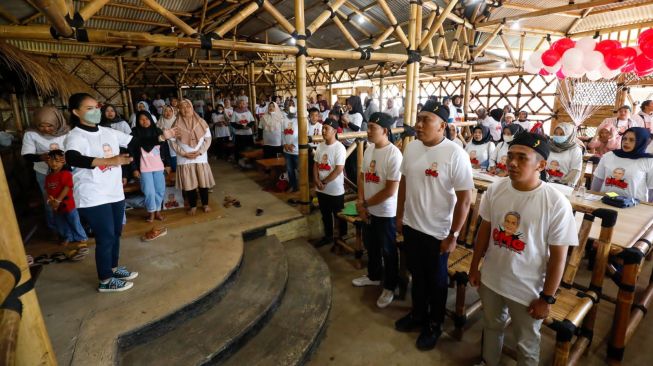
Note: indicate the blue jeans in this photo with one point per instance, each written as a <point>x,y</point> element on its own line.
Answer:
<point>292,164</point>
<point>379,236</point>
<point>106,222</point>
<point>69,226</point>
<point>153,186</point>
<point>49,215</point>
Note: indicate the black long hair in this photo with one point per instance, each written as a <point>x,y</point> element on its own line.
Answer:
<point>74,102</point>
<point>356,106</point>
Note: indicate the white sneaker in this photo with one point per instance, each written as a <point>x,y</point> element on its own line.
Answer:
<point>385,299</point>
<point>364,281</point>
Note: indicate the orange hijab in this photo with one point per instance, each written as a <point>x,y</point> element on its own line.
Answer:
<point>191,129</point>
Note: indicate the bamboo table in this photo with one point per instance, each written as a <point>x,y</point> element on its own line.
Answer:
<point>272,165</point>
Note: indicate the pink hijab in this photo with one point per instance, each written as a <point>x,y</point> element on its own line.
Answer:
<point>191,129</point>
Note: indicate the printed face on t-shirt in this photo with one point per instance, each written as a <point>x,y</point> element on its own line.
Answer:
<point>432,171</point>
<point>554,165</point>
<point>54,146</point>
<point>324,165</point>
<point>371,176</point>
<point>503,160</point>
<point>618,174</point>
<point>108,152</point>
<point>507,235</point>
<point>472,154</point>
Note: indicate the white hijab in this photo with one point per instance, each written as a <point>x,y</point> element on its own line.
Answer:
<point>273,121</point>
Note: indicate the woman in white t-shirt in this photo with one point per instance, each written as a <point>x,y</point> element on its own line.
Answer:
<point>221,132</point>
<point>49,134</point>
<point>98,191</point>
<point>166,122</point>
<point>243,122</point>
<point>565,161</point>
<point>272,124</point>
<point>455,136</point>
<point>352,121</point>
<point>481,148</point>
<point>112,119</point>
<point>291,151</point>
<point>499,160</point>
<point>627,171</point>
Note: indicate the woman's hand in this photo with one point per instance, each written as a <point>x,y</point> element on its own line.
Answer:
<point>192,155</point>
<point>169,133</point>
<point>137,174</point>
<point>44,157</point>
<point>119,160</point>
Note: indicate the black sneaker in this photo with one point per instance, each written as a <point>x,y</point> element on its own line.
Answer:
<point>428,338</point>
<point>322,242</point>
<point>408,323</point>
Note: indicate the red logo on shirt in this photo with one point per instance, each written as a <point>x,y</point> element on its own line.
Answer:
<point>432,171</point>
<point>474,161</point>
<point>288,131</point>
<point>507,236</point>
<point>372,178</point>
<point>243,121</point>
<point>502,167</point>
<point>324,163</point>
<point>617,179</point>
<point>555,173</point>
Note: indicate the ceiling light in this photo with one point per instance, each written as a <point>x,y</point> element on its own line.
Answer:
<point>360,19</point>
<point>515,25</point>
<point>503,65</point>
<point>292,40</point>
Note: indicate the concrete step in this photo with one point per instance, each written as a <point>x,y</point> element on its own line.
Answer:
<point>295,329</point>
<point>223,325</point>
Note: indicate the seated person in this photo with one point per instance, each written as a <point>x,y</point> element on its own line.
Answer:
<point>604,141</point>
<point>500,157</point>
<point>481,147</point>
<point>566,159</point>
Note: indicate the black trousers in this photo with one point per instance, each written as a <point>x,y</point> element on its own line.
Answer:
<point>271,151</point>
<point>379,236</point>
<point>429,275</point>
<point>242,142</point>
<point>191,196</point>
<point>330,206</point>
<point>351,167</point>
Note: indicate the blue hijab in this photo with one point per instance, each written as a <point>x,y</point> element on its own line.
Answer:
<point>642,138</point>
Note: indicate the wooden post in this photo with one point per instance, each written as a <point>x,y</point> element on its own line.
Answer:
<point>15,107</point>
<point>467,91</point>
<point>33,346</point>
<point>302,120</point>
<point>55,15</point>
<point>381,86</point>
<point>212,91</point>
<point>415,46</point>
<point>123,89</point>
<point>251,87</point>
<point>173,19</point>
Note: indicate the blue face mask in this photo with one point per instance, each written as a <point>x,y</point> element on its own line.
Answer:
<point>93,116</point>
<point>559,139</point>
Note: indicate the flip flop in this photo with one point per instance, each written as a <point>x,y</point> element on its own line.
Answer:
<point>58,257</point>
<point>259,211</point>
<point>75,255</point>
<point>83,249</point>
<point>42,259</point>
<point>154,234</point>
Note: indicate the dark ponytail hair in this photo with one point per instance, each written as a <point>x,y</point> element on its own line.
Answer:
<point>74,102</point>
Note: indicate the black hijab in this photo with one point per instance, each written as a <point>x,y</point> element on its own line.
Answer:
<point>484,131</point>
<point>356,106</point>
<point>105,122</point>
<point>146,138</point>
<point>514,129</point>
<point>642,138</point>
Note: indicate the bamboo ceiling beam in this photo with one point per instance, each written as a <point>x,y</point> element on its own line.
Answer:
<point>434,28</point>
<point>528,30</point>
<point>53,13</point>
<point>381,38</point>
<point>612,29</point>
<point>8,16</point>
<point>131,21</point>
<point>487,41</point>
<point>369,18</point>
<point>354,24</point>
<point>122,5</point>
<point>283,22</point>
<point>92,8</point>
<point>547,11</point>
<point>345,32</point>
<point>324,16</point>
<point>237,18</point>
<point>203,18</point>
<point>451,16</point>
<point>576,22</point>
<point>454,42</point>
<point>401,36</point>
<point>173,19</point>
<point>509,49</point>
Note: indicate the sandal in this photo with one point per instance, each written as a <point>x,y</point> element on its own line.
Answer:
<point>154,234</point>
<point>76,255</point>
<point>82,248</point>
<point>58,257</point>
<point>42,259</point>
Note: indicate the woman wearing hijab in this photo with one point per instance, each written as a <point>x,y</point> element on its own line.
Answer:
<point>151,159</point>
<point>221,132</point>
<point>272,124</point>
<point>243,123</point>
<point>49,134</point>
<point>167,120</point>
<point>627,171</point>
<point>191,145</point>
<point>352,121</point>
<point>111,119</point>
<point>140,106</point>
<point>481,148</point>
<point>565,161</point>
<point>604,141</point>
<point>499,160</point>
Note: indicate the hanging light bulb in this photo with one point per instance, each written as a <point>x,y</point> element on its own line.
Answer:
<point>515,25</point>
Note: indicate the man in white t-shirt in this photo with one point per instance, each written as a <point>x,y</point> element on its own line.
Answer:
<point>522,120</point>
<point>526,228</point>
<point>329,178</point>
<point>392,110</point>
<point>493,125</point>
<point>435,193</point>
<point>244,97</point>
<point>261,109</point>
<point>158,103</point>
<point>645,115</point>
<point>378,182</point>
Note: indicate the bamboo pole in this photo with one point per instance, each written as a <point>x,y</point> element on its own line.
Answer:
<point>123,88</point>
<point>33,346</point>
<point>487,41</point>
<point>319,21</point>
<point>380,39</point>
<point>401,36</point>
<point>505,43</point>
<point>415,46</point>
<point>454,43</point>
<point>18,120</point>
<point>468,91</point>
<point>410,74</point>
<point>237,18</point>
<point>447,10</point>
<point>547,11</point>
<point>54,14</point>
<point>280,18</point>
<point>381,87</point>
<point>92,8</point>
<point>173,19</point>
<point>302,120</point>
<point>345,32</point>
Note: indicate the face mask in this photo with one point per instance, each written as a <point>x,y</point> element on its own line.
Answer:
<point>559,139</point>
<point>507,138</point>
<point>292,110</point>
<point>93,116</point>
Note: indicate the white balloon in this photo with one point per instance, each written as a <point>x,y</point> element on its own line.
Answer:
<point>586,44</point>
<point>553,69</point>
<point>572,60</point>
<point>593,75</point>
<point>572,73</point>
<point>530,68</point>
<point>592,60</point>
<point>536,59</point>
<point>606,73</point>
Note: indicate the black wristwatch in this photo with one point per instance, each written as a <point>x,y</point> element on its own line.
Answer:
<point>548,299</point>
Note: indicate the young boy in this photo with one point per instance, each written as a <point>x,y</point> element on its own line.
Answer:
<point>59,187</point>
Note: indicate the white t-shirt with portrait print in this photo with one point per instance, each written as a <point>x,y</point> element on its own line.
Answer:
<point>122,126</point>
<point>626,177</point>
<point>559,164</point>
<point>243,119</point>
<point>290,136</point>
<point>314,130</point>
<point>386,167</point>
<point>433,175</point>
<point>480,154</point>
<point>327,158</point>
<point>102,184</point>
<point>35,143</point>
<point>499,158</point>
<point>523,225</point>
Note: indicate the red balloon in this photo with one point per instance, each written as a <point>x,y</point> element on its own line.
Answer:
<point>644,36</point>
<point>560,74</point>
<point>629,52</point>
<point>643,64</point>
<point>544,72</point>
<point>550,57</point>
<point>647,47</point>
<point>562,45</point>
<point>630,67</point>
<point>606,46</point>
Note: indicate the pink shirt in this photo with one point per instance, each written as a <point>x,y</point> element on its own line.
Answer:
<point>151,161</point>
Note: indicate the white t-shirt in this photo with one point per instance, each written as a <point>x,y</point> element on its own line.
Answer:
<point>356,119</point>
<point>523,225</point>
<point>458,142</point>
<point>229,112</point>
<point>626,177</point>
<point>387,166</point>
<point>243,119</point>
<point>290,136</point>
<point>433,175</point>
<point>314,130</point>
<point>261,110</point>
<point>198,160</point>
<point>272,130</point>
<point>221,128</point>
<point>122,126</point>
<point>560,164</point>
<point>526,125</point>
<point>327,158</point>
<point>500,157</point>
<point>494,126</point>
<point>102,184</point>
<point>645,120</point>
<point>480,154</point>
<point>35,143</point>
<point>159,103</point>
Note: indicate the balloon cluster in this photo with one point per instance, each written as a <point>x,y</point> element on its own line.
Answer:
<point>595,60</point>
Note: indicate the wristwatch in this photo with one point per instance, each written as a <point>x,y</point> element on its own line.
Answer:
<point>455,234</point>
<point>548,299</point>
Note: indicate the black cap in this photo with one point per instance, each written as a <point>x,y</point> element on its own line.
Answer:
<point>331,122</point>
<point>535,141</point>
<point>441,111</point>
<point>382,119</point>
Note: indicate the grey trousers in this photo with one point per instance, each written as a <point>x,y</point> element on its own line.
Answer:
<point>496,312</point>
